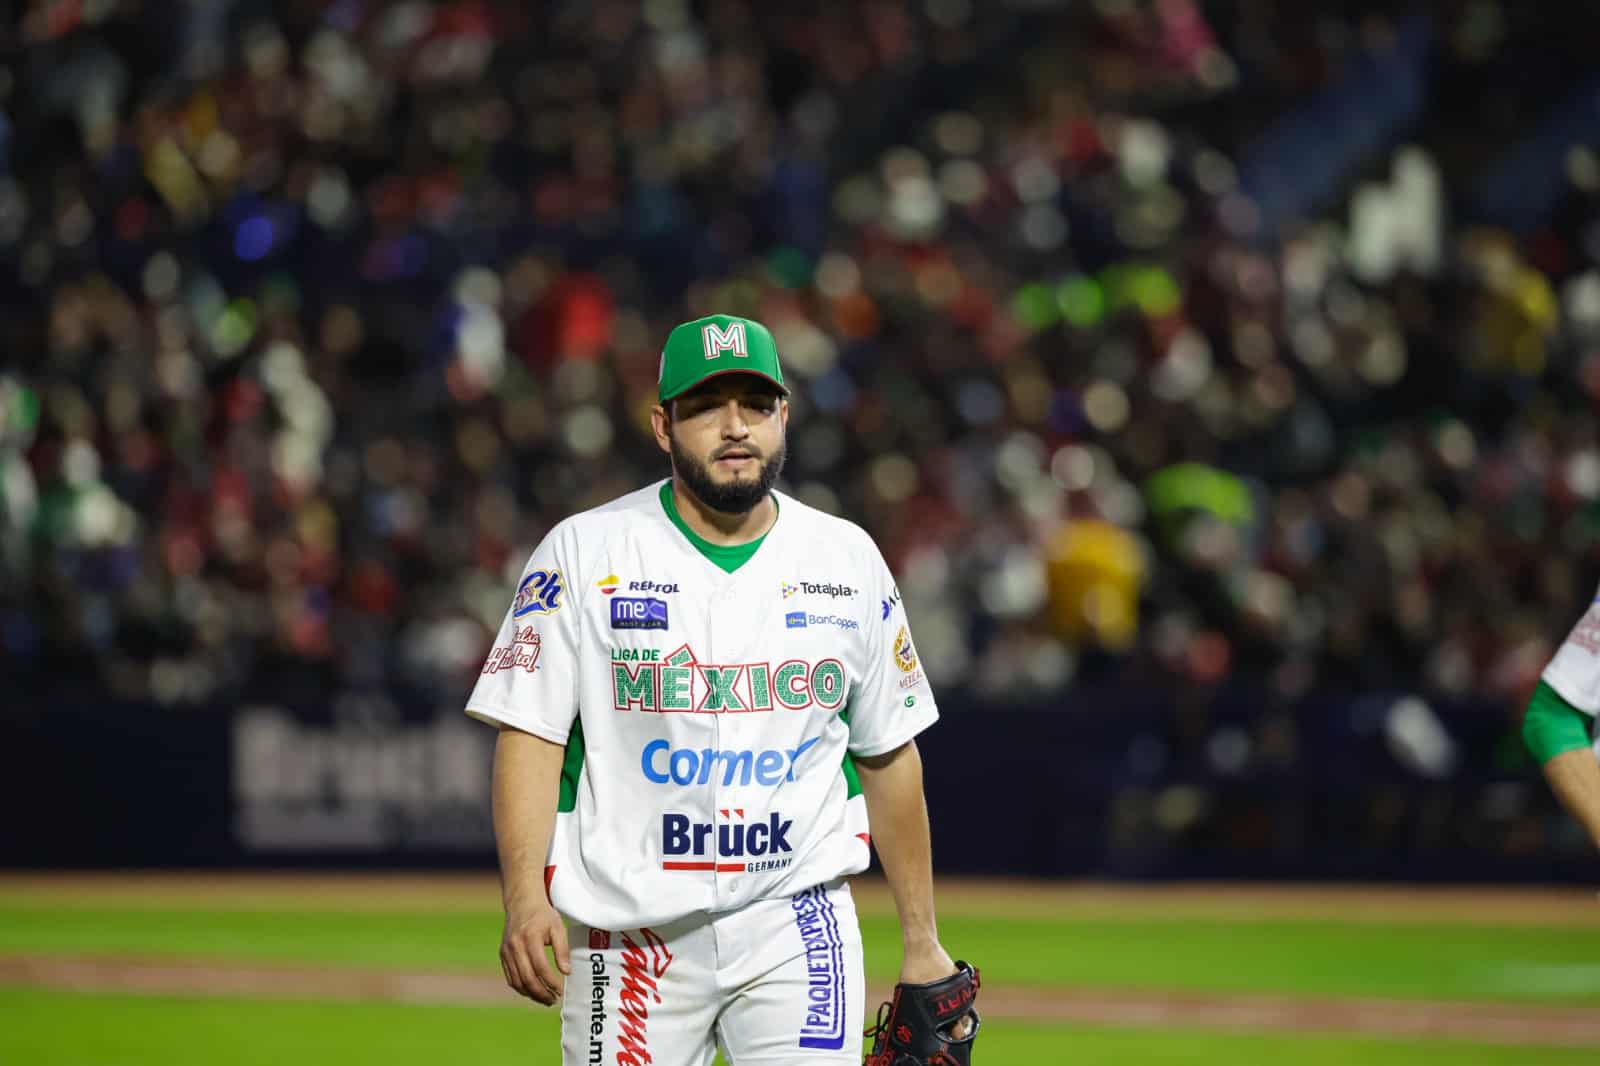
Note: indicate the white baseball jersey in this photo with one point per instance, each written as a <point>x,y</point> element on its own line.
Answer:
<point>1574,670</point>
<point>708,716</point>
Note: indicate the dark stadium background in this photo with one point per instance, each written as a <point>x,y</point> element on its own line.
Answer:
<point>1220,379</point>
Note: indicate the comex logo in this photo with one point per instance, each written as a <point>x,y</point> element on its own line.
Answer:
<point>662,763</point>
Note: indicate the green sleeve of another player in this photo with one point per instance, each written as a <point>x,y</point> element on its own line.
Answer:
<point>1553,726</point>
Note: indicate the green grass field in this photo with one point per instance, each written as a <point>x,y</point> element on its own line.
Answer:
<point>1322,958</point>
<point>1482,961</point>
<point>94,1030</point>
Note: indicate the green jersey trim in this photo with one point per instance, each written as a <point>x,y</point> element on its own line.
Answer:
<point>727,556</point>
<point>571,768</point>
<point>852,779</point>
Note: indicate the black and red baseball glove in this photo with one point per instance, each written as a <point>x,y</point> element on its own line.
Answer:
<point>915,1028</point>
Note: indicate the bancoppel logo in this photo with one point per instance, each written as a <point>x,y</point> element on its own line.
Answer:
<point>795,620</point>
<point>731,847</point>
<point>638,612</point>
<point>834,620</point>
<point>830,589</point>
<point>818,926</point>
<point>665,588</point>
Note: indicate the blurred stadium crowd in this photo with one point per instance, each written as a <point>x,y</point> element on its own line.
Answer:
<point>1151,338</point>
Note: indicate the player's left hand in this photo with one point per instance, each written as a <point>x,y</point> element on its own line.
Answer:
<point>928,1022</point>
<point>924,966</point>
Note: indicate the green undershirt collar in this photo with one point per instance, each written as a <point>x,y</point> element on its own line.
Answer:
<point>727,556</point>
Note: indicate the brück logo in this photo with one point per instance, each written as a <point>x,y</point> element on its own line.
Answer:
<point>731,847</point>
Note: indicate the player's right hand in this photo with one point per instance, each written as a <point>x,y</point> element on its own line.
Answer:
<point>523,955</point>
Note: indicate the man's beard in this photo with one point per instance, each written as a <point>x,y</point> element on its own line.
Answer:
<point>734,497</point>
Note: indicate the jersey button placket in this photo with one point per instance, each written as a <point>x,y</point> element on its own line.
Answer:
<point>720,623</point>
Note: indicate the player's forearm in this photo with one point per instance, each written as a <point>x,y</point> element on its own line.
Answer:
<point>892,785</point>
<point>1574,777</point>
<point>527,775</point>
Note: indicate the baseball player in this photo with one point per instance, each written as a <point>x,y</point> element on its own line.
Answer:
<point>1559,722</point>
<point>706,693</point>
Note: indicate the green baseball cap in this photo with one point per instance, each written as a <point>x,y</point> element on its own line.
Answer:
<point>717,344</point>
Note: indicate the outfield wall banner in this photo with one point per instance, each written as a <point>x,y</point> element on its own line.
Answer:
<point>361,783</point>
<point>1111,784</point>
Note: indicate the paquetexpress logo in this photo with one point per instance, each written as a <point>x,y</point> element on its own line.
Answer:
<point>795,620</point>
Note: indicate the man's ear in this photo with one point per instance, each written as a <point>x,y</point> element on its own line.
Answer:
<point>661,424</point>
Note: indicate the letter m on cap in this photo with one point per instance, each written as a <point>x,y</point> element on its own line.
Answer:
<point>717,340</point>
